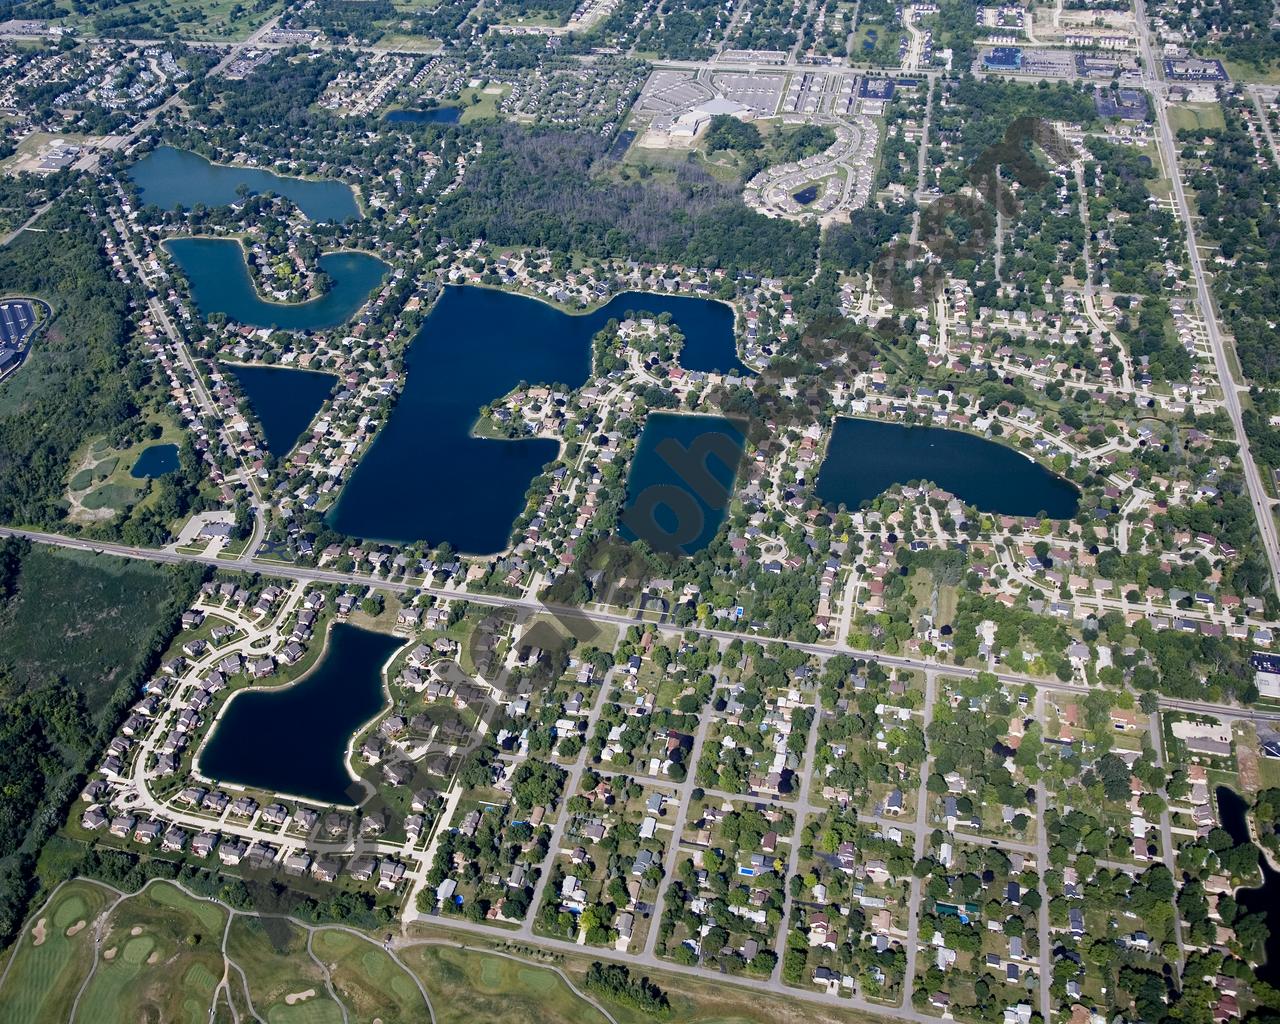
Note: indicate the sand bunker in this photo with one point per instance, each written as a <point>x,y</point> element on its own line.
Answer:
<point>298,997</point>
<point>110,954</point>
<point>154,958</point>
<point>76,928</point>
<point>38,933</point>
<point>136,930</point>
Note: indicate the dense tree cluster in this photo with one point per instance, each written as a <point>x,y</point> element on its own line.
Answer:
<point>540,188</point>
<point>615,982</point>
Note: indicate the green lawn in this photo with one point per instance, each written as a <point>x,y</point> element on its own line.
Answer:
<point>160,960</point>
<point>477,104</point>
<point>468,986</point>
<point>111,469</point>
<point>1195,117</point>
<point>49,964</point>
<point>280,973</point>
<point>1248,73</point>
<point>367,980</point>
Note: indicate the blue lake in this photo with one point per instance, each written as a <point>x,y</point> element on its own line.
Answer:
<point>867,457</point>
<point>220,283</point>
<point>431,115</point>
<point>425,477</point>
<point>175,178</point>
<point>681,481</point>
<point>294,739</point>
<point>156,460</point>
<point>285,400</point>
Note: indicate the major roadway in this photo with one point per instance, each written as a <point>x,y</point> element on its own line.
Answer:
<point>1262,504</point>
<point>281,570</point>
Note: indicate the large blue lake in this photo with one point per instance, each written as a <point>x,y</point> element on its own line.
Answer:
<point>285,400</point>
<point>867,457</point>
<point>425,477</point>
<point>681,481</point>
<point>294,739</point>
<point>220,283</point>
<point>175,179</point>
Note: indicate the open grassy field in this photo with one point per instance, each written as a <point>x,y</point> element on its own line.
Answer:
<point>467,986</point>
<point>53,957</point>
<point>287,986</point>
<point>368,981</point>
<point>161,956</point>
<point>85,617</point>
<point>477,104</point>
<point>471,972</point>
<point>160,960</point>
<point>101,477</point>
<point>1195,116</point>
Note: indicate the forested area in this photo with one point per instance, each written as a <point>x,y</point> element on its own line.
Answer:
<point>346,19</point>
<point>77,635</point>
<point>81,379</point>
<point>557,11</point>
<point>978,112</point>
<point>1236,29</point>
<point>539,188</point>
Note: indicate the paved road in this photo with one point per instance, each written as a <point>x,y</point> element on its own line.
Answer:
<point>921,826</point>
<point>284,571</point>
<point>1262,505</point>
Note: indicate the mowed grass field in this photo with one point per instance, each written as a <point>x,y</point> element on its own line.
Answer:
<point>1195,117</point>
<point>287,986</point>
<point>161,957</point>
<point>160,960</point>
<point>85,617</point>
<point>367,980</point>
<point>53,956</point>
<point>467,987</point>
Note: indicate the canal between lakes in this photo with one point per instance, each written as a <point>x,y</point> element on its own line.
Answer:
<point>294,739</point>
<point>867,457</point>
<point>175,178</point>
<point>216,270</point>
<point>426,477</point>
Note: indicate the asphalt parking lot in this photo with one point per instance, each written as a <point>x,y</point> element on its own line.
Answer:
<point>16,320</point>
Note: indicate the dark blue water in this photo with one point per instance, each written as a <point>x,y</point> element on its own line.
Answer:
<point>1265,899</point>
<point>867,457</point>
<point>432,115</point>
<point>681,480</point>
<point>284,400</point>
<point>220,283</point>
<point>425,477</point>
<point>294,739</point>
<point>175,178</point>
<point>806,195</point>
<point>156,460</point>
